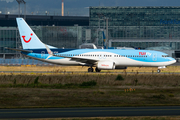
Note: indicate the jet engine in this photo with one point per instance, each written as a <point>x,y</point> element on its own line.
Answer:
<point>106,65</point>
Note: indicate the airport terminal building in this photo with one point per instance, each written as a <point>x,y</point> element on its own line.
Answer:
<point>155,28</point>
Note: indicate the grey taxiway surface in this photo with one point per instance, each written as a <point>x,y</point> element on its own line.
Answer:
<point>89,112</point>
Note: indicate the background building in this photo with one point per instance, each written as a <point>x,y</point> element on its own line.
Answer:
<point>155,28</point>
<point>59,31</point>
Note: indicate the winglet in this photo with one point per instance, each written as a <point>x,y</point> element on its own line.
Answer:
<point>48,50</point>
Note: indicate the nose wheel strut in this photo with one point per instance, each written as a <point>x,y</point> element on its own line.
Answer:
<point>158,71</point>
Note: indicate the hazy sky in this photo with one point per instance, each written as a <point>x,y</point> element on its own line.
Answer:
<point>76,7</point>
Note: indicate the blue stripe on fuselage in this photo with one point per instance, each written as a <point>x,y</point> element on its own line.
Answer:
<point>37,53</point>
<point>53,50</point>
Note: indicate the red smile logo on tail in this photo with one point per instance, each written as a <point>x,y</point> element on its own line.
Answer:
<point>26,41</point>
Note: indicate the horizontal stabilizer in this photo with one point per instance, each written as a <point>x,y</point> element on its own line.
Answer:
<point>20,50</point>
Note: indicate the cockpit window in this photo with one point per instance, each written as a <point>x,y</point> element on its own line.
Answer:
<point>165,55</point>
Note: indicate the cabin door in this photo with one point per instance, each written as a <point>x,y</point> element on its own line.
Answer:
<point>154,57</point>
<point>42,54</point>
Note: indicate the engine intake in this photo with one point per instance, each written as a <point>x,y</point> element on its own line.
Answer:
<point>106,65</point>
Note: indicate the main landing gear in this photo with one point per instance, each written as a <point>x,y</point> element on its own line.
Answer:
<point>92,70</point>
<point>97,70</point>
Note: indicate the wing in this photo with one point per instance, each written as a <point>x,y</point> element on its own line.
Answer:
<point>84,61</point>
<point>79,59</point>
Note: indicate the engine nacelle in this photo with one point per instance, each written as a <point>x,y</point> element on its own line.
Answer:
<point>120,67</point>
<point>106,65</point>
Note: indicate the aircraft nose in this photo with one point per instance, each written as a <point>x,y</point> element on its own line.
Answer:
<point>172,61</point>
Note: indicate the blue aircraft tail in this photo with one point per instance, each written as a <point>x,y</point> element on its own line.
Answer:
<point>28,37</point>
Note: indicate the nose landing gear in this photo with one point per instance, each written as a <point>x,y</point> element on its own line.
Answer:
<point>161,67</point>
<point>158,71</point>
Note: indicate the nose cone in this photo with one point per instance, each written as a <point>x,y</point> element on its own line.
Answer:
<point>172,61</point>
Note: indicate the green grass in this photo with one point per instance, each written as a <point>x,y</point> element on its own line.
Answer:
<point>119,77</point>
<point>89,97</point>
<point>37,84</point>
<point>88,90</point>
<point>108,79</point>
<point>119,118</point>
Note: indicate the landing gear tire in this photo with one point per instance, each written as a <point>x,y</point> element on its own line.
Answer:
<point>158,71</point>
<point>90,69</point>
<point>98,70</point>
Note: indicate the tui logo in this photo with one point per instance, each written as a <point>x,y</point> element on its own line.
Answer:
<point>26,41</point>
<point>145,53</point>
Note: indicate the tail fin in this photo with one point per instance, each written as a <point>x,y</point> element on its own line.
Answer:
<point>104,40</point>
<point>28,37</point>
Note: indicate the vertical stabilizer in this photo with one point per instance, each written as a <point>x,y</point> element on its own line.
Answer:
<point>28,37</point>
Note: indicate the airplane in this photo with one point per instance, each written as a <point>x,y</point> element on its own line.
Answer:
<point>102,59</point>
